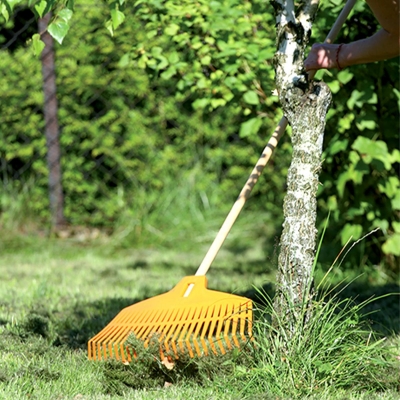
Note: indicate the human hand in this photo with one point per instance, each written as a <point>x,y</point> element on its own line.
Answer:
<point>322,55</point>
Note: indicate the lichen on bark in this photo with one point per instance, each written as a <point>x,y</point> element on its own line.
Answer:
<point>305,105</point>
<point>306,113</point>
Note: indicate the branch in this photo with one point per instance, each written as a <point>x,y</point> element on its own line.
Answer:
<point>293,33</point>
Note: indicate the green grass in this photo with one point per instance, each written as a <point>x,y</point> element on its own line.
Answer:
<point>56,294</point>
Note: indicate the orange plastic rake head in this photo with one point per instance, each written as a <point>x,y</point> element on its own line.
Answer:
<point>201,323</point>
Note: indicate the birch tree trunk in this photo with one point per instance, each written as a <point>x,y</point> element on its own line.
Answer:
<point>305,104</point>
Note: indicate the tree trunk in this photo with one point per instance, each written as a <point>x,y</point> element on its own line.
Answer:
<point>305,105</point>
<point>51,126</point>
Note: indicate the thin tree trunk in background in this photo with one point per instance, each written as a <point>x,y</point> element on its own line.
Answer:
<point>51,126</point>
<point>305,105</point>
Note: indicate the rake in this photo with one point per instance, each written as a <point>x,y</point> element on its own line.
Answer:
<point>191,319</point>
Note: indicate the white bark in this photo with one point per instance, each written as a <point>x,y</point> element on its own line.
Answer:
<point>305,105</point>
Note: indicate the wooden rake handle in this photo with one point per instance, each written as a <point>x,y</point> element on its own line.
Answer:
<point>262,162</point>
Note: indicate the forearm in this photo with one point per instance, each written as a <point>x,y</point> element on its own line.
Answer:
<point>381,46</point>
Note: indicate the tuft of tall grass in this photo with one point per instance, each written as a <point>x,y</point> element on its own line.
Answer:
<point>335,350</point>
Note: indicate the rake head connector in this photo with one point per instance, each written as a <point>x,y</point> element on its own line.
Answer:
<point>197,323</point>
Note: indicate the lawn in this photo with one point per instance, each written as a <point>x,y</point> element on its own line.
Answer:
<point>56,294</point>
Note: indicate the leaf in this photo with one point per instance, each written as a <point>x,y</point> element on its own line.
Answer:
<point>366,124</point>
<point>396,226</point>
<point>41,8</point>
<point>350,231</point>
<point>173,58</point>
<point>392,245</point>
<point>58,30</point>
<point>109,27</point>
<point>240,369</point>
<point>250,127</point>
<point>65,14</point>
<point>324,367</point>
<point>381,223</point>
<point>345,122</point>
<point>6,8</point>
<point>227,95</point>
<point>151,34</point>
<point>354,100</point>
<point>395,156</point>
<point>390,187</point>
<point>38,44</point>
<point>397,93</point>
<point>206,60</point>
<point>156,51</point>
<point>171,30</point>
<point>334,86</point>
<point>117,18</point>
<point>396,201</point>
<point>372,149</point>
<point>251,97</point>
<point>200,103</point>
<point>168,363</point>
<point>169,73</point>
<point>202,83</point>
<point>142,62</point>
<point>345,76</point>
<point>124,60</point>
<point>196,45</point>
<point>215,103</point>
<point>163,63</point>
<point>338,146</point>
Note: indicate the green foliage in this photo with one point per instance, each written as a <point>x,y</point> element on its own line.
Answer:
<point>182,87</point>
<point>125,133</point>
<point>360,182</point>
<point>62,11</point>
<point>218,52</point>
<point>37,44</point>
<point>59,27</point>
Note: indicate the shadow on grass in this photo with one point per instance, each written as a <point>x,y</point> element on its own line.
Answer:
<point>75,328</point>
<point>382,314</point>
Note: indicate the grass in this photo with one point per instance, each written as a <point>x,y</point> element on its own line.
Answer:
<point>57,293</point>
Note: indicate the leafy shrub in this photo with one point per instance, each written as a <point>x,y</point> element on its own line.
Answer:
<point>182,88</point>
<point>124,130</point>
<point>360,183</point>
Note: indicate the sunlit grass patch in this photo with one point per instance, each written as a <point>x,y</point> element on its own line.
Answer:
<point>56,294</point>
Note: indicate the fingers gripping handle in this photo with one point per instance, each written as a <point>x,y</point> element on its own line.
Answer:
<point>261,163</point>
<point>332,35</point>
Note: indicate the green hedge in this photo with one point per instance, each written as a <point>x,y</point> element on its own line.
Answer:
<point>183,88</point>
